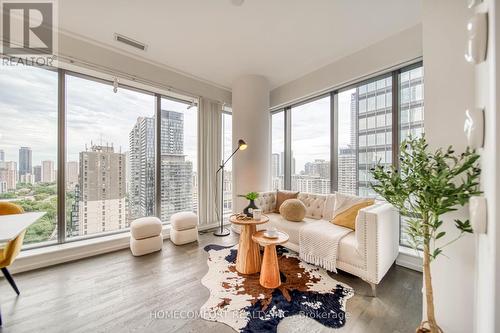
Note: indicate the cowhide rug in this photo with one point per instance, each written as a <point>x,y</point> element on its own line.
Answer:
<point>308,300</point>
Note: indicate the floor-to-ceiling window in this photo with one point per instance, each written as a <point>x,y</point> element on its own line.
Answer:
<point>411,114</point>
<point>103,135</point>
<point>310,146</point>
<point>374,100</point>
<point>278,150</point>
<point>347,138</point>
<point>110,167</point>
<point>367,121</point>
<point>28,145</point>
<point>178,160</point>
<point>227,149</point>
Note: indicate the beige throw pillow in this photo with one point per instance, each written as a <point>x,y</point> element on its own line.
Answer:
<point>347,218</point>
<point>281,196</point>
<point>293,210</point>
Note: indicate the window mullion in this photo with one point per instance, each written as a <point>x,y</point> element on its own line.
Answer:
<point>288,149</point>
<point>61,157</point>
<point>334,141</point>
<point>157,189</point>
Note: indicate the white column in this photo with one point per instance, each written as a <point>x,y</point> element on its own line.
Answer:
<point>251,122</point>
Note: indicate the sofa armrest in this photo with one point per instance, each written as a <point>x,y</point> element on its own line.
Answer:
<point>266,201</point>
<point>377,234</point>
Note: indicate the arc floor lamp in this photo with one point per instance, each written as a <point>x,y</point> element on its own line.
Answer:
<point>221,231</point>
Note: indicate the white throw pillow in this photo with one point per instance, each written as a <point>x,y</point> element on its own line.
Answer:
<point>329,207</point>
<point>346,201</point>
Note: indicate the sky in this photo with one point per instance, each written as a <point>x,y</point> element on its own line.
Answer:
<point>28,106</point>
<point>311,129</point>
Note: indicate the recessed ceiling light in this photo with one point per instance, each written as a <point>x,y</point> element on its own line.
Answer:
<point>237,2</point>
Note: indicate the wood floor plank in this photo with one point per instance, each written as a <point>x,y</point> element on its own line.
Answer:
<point>117,292</point>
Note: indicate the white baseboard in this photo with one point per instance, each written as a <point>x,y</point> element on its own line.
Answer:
<point>409,258</point>
<point>71,251</point>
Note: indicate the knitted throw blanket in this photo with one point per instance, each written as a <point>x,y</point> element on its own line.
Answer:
<point>318,243</point>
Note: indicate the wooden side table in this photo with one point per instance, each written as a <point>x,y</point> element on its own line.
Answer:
<point>270,271</point>
<point>248,257</point>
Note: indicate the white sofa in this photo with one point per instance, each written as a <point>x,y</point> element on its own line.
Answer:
<point>367,252</point>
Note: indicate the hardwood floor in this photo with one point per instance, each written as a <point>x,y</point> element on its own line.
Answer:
<point>117,292</point>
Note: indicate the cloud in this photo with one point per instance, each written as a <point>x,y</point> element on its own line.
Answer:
<point>28,106</point>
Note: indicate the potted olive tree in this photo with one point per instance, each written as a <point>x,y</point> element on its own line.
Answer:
<point>427,185</point>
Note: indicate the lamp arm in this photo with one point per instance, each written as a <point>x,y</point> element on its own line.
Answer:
<point>223,164</point>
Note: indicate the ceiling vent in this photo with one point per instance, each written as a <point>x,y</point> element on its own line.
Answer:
<point>130,42</point>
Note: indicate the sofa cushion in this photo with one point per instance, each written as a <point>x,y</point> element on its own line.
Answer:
<point>315,204</point>
<point>281,196</point>
<point>329,206</point>
<point>293,210</point>
<point>266,201</point>
<point>292,229</point>
<point>347,218</point>
<point>346,201</point>
<point>348,251</point>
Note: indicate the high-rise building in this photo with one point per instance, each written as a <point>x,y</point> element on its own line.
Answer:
<point>312,184</point>
<point>176,172</point>
<point>320,168</point>
<point>37,172</point>
<point>71,174</point>
<point>3,186</point>
<point>48,172</point>
<point>102,205</point>
<point>178,182</point>
<point>142,168</point>
<point>27,178</point>
<point>2,155</point>
<point>275,165</point>
<point>25,161</point>
<point>172,133</point>
<point>8,174</point>
<point>347,171</point>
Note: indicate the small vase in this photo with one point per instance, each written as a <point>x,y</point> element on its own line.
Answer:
<point>248,211</point>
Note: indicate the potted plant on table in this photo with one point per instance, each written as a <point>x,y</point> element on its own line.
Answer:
<point>250,196</point>
<point>426,186</point>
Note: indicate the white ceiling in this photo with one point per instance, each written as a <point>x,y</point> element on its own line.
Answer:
<point>217,41</point>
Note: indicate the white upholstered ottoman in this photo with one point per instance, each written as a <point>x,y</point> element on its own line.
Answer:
<point>184,228</point>
<point>145,235</point>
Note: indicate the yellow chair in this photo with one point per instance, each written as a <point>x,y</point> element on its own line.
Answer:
<point>9,253</point>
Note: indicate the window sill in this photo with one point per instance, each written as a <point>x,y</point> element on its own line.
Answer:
<point>40,257</point>
<point>36,258</point>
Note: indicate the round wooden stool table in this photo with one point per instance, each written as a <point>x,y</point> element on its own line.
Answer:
<point>270,271</point>
<point>248,257</point>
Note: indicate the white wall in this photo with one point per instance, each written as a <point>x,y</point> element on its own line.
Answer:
<point>251,121</point>
<point>405,46</point>
<point>487,288</point>
<point>91,52</point>
<point>449,90</point>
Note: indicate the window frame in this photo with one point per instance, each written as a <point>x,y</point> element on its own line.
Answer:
<point>61,149</point>
<point>395,125</point>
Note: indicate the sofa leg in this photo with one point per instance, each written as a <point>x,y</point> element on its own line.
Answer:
<point>374,289</point>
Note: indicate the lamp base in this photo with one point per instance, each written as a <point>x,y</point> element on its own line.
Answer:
<point>221,233</point>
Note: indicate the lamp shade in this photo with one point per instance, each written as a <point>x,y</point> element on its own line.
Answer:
<point>242,145</point>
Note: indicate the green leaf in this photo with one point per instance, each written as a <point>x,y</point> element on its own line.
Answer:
<point>439,235</point>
